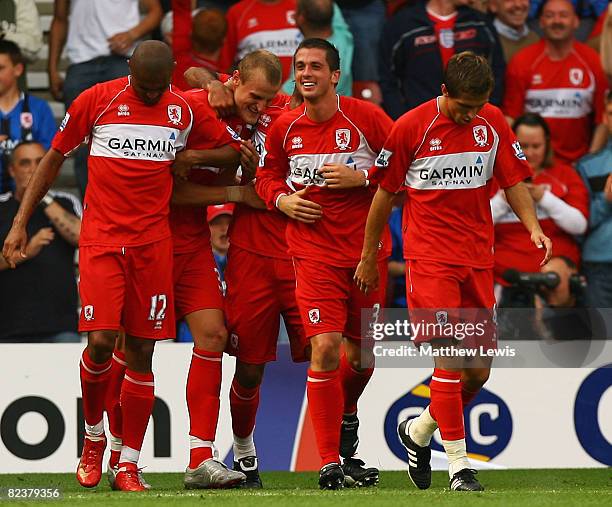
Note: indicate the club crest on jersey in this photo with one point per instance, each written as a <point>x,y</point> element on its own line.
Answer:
<point>442,318</point>
<point>314,316</point>
<point>291,17</point>
<point>296,143</point>
<point>123,110</point>
<point>252,23</point>
<point>88,312</point>
<point>343,138</point>
<point>174,114</point>
<point>480,135</point>
<point>26,120</point>
<point>447,38</point>
<point>576,76</point>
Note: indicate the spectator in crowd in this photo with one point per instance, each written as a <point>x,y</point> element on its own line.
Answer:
<point>198,40</point>
<point>314,19</point>
<point>20,23</point>
<point>266,24</point>
<point>38,300</point>
<point>596,170</point>
<point>561,201</point>
<point>365,18</point>
<point>594,38</point>
<point>605,45</point>
<point>219,219</point>
<point>587,11</point>
<point>99,38</point>
<point>417,43</point>
<point>510,21</point>
<point>22,116</point>
<point>562,80</point>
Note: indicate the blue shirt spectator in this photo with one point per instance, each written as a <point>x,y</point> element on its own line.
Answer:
<point>22,116</point>
<point>597,248</point>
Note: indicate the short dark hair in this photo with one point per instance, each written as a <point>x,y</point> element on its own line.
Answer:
<point>317,13</point>
<point>609,97</point>
<point>11,49</point>
<point>331,53</point>
<point>209,27</point>
<point>21,145</point>
<point>468,74</point>
<point>535,120</point>
<point>263,60</point>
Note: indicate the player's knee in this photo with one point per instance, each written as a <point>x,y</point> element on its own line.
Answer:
<point>326,354</point>
<point>249,375</point>
<point>215,338</point>
<point>100,345</point>
<point>475,378</point>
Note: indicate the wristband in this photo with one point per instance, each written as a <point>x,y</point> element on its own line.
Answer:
<point>278,198</point>
<point>47,200</point>
<point>233,194</point>
<point>366,174</point>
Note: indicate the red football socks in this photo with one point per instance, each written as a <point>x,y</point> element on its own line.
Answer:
<point>113,407</point>
<point>446,406</point>
<point>137,399</point>
<point>244,402</point>
<point>203,391</point>
<point>353,383</point>
<point>94,384</point>
<point>325,401</point>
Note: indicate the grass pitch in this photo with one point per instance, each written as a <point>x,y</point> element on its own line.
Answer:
<point>580,487</point>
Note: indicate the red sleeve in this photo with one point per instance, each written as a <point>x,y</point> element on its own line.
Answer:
<point>78,122</point>
<point>514,96</point>
<point>228,51</point>
<point>380,128</point>
<point>181,31</point>
<point>511,165</point>
<point>395,158</point>
<point>577,194</point>
<point>274,167</point>
<point>211,130</point>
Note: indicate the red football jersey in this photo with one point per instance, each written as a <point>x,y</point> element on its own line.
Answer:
<point>296,148</point>
<point>568,93</point>
<point>190,231</point>
<point>131,150</point>
<point>262,231</point>
<point>513,247</point>
<point>447,170</point>
<point>252,24</point>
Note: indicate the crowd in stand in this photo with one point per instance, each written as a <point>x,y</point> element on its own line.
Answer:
<point>552,62</point>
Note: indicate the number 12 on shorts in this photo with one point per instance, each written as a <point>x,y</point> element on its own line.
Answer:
<point>158,307</point>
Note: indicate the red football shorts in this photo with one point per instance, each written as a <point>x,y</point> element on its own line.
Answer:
<point>197,282</point>
<point>129,287</point>
<point>329,301</point>
<point>259,290</point>
<point>442,293</point>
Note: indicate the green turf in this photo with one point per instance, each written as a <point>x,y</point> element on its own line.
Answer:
<point>522,488</point>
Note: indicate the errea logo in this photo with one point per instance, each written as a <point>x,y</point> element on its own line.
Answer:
<point>123,110</point>
<point>296,143</point>
<point>435,144</point>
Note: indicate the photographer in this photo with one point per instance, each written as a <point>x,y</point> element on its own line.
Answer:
<point>562,207</point>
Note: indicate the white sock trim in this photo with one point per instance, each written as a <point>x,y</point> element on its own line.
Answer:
<point>244,446</point>
<point>456,453</point>
<point>447,380</point>
<point>95,372</point>
<point>95,430</point>
<point>214,359</point>
<point>129,455</point>
<point>138,382</point>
